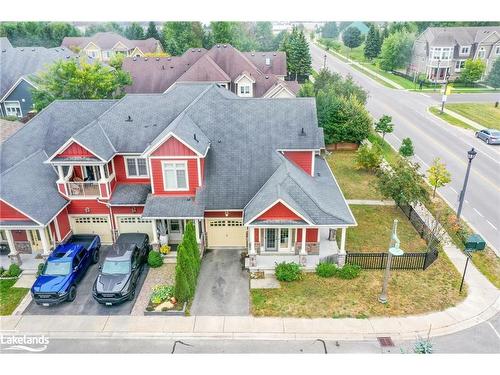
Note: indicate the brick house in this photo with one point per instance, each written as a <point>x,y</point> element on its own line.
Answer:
<point>248,172</point>
<point>247,74</point>
<point>442,51</point>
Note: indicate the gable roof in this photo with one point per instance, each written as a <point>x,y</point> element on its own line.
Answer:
<point>20,62</point>
<point>107,40</point>
<point>277,62</point>
<point>5,43</point>
<point>318,200</point>
<point>204,70</point>
<point>463,36</point>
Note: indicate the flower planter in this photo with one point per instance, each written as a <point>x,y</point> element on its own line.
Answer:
<point>172,312</point>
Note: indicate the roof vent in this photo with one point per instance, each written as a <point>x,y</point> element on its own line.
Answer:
<point>22,49</point>
<point>253,54</point>
<point>267,77</point>
<point>218,45</point>
<point>134,59</point>
<point>274,54</point>
<point>33,49</point>
<point>263,54</point>
<point>194,137</point>
<point>171,67</point>
<point>68,56</point>
<point>163,67</point>
<point>157,59</point>
<point>199,50</point>
<point>318,174</point>
<point>219,141</point>
<point>169,58</point>
<point>225,46</point>
<point>4,50</point>
<point>145,59</point>
<point>129,119</point>
<point>302,132</point>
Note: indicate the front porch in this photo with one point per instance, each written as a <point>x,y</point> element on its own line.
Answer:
<point>171,231</point>
<point>305,246</point>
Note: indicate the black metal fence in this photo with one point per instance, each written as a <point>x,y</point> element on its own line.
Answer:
<point>408,261</point>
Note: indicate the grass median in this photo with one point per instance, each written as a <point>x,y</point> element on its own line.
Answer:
<point>485,114</point>
<point>10,297</point>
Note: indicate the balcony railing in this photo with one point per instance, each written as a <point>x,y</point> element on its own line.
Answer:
<point>83,189</point>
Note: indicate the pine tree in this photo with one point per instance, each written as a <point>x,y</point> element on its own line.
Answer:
<point>152,31</point>
<point>182,291</point>
<point>297,52</point>
<point>134,32</point>
<point>189,241</point>
<point>185,261</point>
<point>372,45</point>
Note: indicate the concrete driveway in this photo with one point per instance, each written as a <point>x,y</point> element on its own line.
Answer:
<point>223,285</point>
<point>84,304</point>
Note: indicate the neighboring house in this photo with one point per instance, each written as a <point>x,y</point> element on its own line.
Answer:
<point>361,26</point>
<point>17,65</point>
<point>7,128</point>
<point>442,51</point>
<point>103,46</point>
<point>248,74</point>
<point>248,172</point>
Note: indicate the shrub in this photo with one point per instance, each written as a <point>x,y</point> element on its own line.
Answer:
<point>161,293</point>
<point>326,269</point>
<point>186,264</point>
<point>182,292</point>
<point>154,259</point>
<point>288,271</point>
<point>14,270</point>
<point>348,272</point>
<point>164,249</point>
<point>368,157</point>
<point>1,270</point>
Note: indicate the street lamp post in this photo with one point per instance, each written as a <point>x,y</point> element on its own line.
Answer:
<point>437,74</point>
<point>443,100</point>
<point>324,61</point>
<point>471,154</point>
<point>394,250</point>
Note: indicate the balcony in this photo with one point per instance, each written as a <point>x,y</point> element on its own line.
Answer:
<point>83,188</point>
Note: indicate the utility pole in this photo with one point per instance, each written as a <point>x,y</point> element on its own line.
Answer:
<point>445,93</point>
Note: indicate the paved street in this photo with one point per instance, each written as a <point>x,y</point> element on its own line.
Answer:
<point>483,338</point>
<point>84,302</point>
<point>432,138</point>
<point>223,286</point>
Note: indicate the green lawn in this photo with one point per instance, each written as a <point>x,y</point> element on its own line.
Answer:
<point>355,183</point>
<point>354,54</point>
<point>373,232</point>
<point>10,297</point>
<point>483,113</point>
<point>449,119</point>
<point>410,292</point>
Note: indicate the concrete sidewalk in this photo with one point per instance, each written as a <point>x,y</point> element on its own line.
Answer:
<point>458,116</point>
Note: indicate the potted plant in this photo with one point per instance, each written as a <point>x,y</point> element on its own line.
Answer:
<point>164,249</point>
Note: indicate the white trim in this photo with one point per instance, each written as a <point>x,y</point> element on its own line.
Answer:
<point>125,158</point>
<point>286,205</point>
<point>173,157</point>
<point>132,54</point>
<point>66,145</point>
<point>58,232</point>
<point>13,102</point>
<point>172,217</point>
<point>240,77</point>
<point>312,163</point>
<point>297,149</point>
<point>124,47</point>
<point>273,91</point>
<point>223,210</point>
<point>95,45</point>
<point>151,149</point>
<point>163,174</point>
<point>13,87</point>
<point>198,165</point>
<point>151,180</point>
<point>17,209</point>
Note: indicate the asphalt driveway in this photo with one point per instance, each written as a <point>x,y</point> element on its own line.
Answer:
<point>84,304</point>
<point>223,285</point>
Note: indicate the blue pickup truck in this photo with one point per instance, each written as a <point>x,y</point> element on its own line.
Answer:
<point>64,268</point>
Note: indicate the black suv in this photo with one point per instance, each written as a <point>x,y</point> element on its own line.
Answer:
<point>121,269</point>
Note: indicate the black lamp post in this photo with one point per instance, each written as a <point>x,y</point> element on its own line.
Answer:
<point>471,154</point>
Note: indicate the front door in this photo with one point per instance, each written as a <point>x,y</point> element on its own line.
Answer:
<point>35,240</point>
<point>271,240</point>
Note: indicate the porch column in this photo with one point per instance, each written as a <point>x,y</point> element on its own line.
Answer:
<point>155,231</point>
<point>252,241</point>
<point>45,241</point>
<point>197,229</point>
<point>60,172</point>
<point>101,170</point>
<point>342,240</point>
<point>10,241</point>
<point>303,243</point>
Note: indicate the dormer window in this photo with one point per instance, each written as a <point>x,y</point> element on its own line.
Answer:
<point>464,50</point>
<point>175,176</point>
<point>482,53</point>
<point>244,89</point>
<point>268,61</point>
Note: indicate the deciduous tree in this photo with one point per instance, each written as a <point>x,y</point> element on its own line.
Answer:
<point>406,149</point>
<point>472,71</point>
<point>384,125</point>
<point>330,30</point>
<point>352,38</point>
<point>438,175</point>
<point>179,36</point>
<point>396,50</point>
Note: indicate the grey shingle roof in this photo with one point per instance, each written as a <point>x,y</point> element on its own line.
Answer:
<point>130,194</point>
<point>18,223</point>
<point>174,207</point>
<point>108,39</point>
<point>23,61</point>
<point>317,199</point>
<point>463,36</point>
<point>30,187</point>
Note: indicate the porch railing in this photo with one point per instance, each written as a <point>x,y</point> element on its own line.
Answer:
<point>23,247</point>
<point>82,189</point>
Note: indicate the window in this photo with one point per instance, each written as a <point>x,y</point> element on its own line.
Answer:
<point>284,237</point>
<point>175,176</point>
<point>175,226</point>
<point>441,53</point>
<point>245,90</point>
<point>13,109</point>
<point>268,61</point>
<point>497,50</point>
<point>137,167</point>
<point>465,50</point>
<point>482,53</point>
<point>459,65</point>
<point>92,53</point>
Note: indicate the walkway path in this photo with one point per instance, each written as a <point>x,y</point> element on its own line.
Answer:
<point>371,202</point>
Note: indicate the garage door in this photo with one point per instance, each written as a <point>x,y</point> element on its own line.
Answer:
<point>226,233</point>
<point>97,224</point>
<point>134,224</point>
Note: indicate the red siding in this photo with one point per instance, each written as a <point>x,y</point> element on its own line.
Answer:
<point>53,230</point>
<point>19,235</point>
<point>110,168</point>
<point>78,172</point>
<point>7,212</point>
<point>75,150</point>
<point>157,172</point>
<point>279,212</point>
<point>121,175</point>
<point>223,214</point>
<point>63,223</point>
<point>127,210</point>
<point>173,147</point>
<point>256,231</point>
<point>104,191</point>
<point>311,235</point>
<point>303,159</point>
<point>202,167</point>
<point>77,207</point>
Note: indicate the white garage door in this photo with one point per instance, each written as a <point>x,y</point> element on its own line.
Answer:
<point>134,224</point>
<point>226,233</point>
<point>96,224</point>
